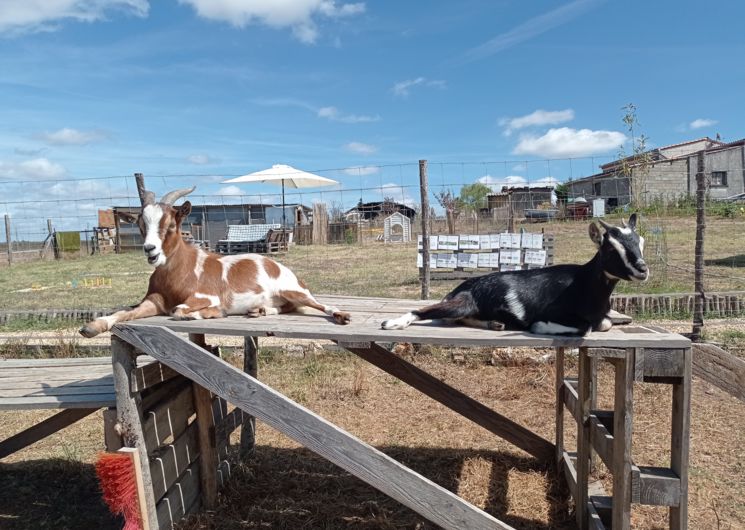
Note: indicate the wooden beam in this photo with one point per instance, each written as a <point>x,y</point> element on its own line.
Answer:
<point>129,413</point>
<point>251,367</point>
<point>170,461</point>
<point>208,460</point>
<point>571,398</point>
<point>176,503</point>
<point>720,368</point>
<point>602,441</point>
<point>559,385</point>
<point>459,402</point>
<point>42,429</point>
<point>225,427</point>
<point>623,414</point>
<point>112,440</point>
<point>167,419</point>
<point>679,443</point>
<point>583,438</point>
<point>570,472</point>
<point>150,375</point>
<point>433,502</point>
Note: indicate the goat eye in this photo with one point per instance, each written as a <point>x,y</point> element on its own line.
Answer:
<point>172,226</point>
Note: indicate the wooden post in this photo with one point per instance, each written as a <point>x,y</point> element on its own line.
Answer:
<point>129,414</point>
<point>594,459</point>
<point>8,241</point>
<point>698,258</point>
<point>140,180</point>
<point>208,458</point>
<point>583,439</point>
<point>679,443</point>
<point>424,190</point>
<point>623,414</point>
<point>49,227</point>
<point>117,236</point>
<point>559,409</point>
<point>250,366</point>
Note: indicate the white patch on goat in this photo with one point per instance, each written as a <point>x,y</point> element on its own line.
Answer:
<point>181,306</point>
<point>551,328</point>
<point>625,231</point>
<point>605,325</point>
<point>641,245</point>
<point>402,322</point>
<point>110,321</point>
<point>516,307</point>
<point>199,266</point>
<point>151,215</point>
<point>621,250</point>
<point>214,300</point>
<point>246,302</point>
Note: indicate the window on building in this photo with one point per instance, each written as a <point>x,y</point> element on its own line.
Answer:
<point>596,189</point>
<point>718,178</point>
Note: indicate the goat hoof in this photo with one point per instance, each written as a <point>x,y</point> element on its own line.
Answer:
<point>88,332</point>
<point>343,318</point>
<point>183,317</point>
<point>493,325</point>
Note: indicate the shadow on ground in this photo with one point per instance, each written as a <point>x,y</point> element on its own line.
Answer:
<point>54,494</point>
<point>730,261</point>
<point>294,489</point>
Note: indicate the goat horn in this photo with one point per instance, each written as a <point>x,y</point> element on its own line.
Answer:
<point>623,223</point>
<point>172,196</point>
<point>148,198</point>
<point>604,224</point>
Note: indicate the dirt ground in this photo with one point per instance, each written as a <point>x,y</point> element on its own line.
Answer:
<point>52,485</point>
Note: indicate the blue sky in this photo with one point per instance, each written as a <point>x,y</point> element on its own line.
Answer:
<point>215,88</point>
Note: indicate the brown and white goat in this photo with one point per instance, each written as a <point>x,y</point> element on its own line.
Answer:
<point>190,283</point>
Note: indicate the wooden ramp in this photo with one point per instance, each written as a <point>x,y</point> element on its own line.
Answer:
<point>312,431</point>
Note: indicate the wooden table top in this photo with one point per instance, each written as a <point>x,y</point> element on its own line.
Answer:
<point>368,313</point>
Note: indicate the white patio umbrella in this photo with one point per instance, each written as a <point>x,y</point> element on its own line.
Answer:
<point>287,176</point>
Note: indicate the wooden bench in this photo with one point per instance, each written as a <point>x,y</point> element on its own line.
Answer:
<point>78,386</point>
<point>259,238</point>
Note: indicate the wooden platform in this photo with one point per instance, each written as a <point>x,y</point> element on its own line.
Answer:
<point>640,354</point>
<point>368,313</point>
<point>78,386</point>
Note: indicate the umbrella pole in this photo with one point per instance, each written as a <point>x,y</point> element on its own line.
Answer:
<point>284,220</point>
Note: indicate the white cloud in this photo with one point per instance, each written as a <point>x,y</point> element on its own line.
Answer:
<point>333,114</point>
<point>529,29</point>
<point>701,123</point>
<point>361,148</point>
<point>298,15</point>
<point>29,16</point>
<point>67,136</point>
<point>201,159</point>
<point>566,142</point>
<point>361,171</point>
<point>398,193</point>
<point>403,88</point>
<point>230,190</point>
<point>37,168</point>
<point>536,118</point>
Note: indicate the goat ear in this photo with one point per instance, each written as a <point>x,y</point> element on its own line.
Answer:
<point>632,221</point>
<point>596,235</point>
<point>184,210</point>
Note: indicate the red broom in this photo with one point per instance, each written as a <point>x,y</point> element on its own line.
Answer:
<point>120,477</point>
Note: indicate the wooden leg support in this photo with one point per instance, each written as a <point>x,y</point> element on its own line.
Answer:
<point>623,415</point>
<point>42,430</point>
<point>584,391</point>
<point>679,446</point>
<point>559,365</point>
<point>250,366</point>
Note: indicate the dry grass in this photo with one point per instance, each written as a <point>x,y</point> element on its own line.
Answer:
<point>286,486</point>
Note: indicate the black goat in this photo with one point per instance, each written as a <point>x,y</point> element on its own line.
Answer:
<point>557,300</point>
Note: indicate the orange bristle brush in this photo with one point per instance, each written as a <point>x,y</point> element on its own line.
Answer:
<point>121,484</point>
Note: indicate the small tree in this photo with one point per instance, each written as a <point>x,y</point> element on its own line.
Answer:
<point>635,166</point>
<point>473,196</point>
<point>452,206</point>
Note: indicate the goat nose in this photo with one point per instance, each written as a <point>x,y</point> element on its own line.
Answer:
<point>149,248</point>
<point>641,265</point>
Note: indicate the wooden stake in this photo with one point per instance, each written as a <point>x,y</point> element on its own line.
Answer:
<point>424,189</point>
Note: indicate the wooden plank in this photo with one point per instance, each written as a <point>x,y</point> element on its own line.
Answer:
<point>603,505</point>
<point>175,504</point>
<point>623,414</point>
<point>56,391</point>
<point>594,520</point>
<point>639,364</point>
<point>169,462</point>
<point>12,384</point>
<point>129,414</point>
<point>251,367</point>
<point>583,438</point>
<point>228,424</point>
<point>602,441</point>
<point>42,429</point>
<point>559,387</point>
<point>208,459</point>
<point>679,443</point>
<point>664,362</point>
<point>150,375</point>
<point>167,419</point>
<point>365,327</point>
<point>570,472</point>
<point>659,486</point>
<point>459,402</point>
<point>720,368</point>
<point>55,362</point>
<point>360,459</point>
<point>59,402</point>
<point>571,398</point>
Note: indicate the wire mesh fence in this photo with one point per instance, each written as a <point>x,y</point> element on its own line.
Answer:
<point>359,255</point>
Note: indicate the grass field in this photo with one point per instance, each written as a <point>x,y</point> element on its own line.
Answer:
<point>375,269</point>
